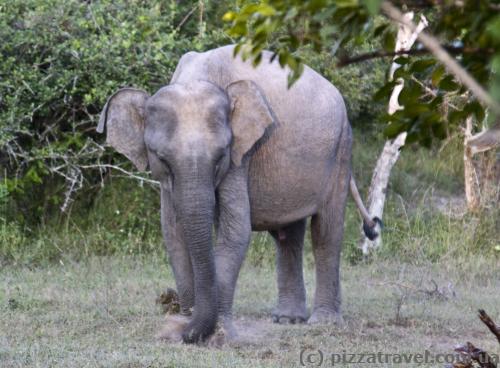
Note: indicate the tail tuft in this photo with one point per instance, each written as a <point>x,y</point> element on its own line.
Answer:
<point>371,231</point>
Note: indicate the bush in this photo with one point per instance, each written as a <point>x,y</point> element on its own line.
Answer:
<point>60,61</point>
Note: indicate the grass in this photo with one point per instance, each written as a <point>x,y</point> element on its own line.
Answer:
<point>102,313</point>
<point>78,290</point>
<point>122,216</point>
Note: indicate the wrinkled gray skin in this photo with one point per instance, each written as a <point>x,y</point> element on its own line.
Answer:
<point>233,148</point>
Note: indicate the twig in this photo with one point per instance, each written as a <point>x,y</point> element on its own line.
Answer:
<point>185,19</point>
<point>429,292</point>
<point>433,93</point>
<point>421,51</point>
<point>118,168</point>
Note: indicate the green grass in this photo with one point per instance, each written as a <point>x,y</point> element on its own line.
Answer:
<point>79,289</point>
<point>123,216</point>
<point>102,313</point>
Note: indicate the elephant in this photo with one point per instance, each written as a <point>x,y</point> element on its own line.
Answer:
<point>235,150</point>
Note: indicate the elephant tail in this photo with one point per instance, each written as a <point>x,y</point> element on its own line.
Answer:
<point>371,225</point>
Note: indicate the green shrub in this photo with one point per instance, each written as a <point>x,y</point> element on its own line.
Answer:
<point>60,61</point>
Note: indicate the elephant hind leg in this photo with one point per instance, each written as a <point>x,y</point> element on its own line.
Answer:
<point>327,231</point>
<point>289,242</point>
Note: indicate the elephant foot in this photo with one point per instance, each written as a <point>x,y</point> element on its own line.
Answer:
<point>173,328</point>
<point>289,315</point>
<point>325,317</point>
<point>225,333</point>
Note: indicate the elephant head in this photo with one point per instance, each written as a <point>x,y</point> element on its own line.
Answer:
<point>189,135</point>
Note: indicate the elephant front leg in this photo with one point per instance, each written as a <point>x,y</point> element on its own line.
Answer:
<point>233,236</point>
<point>178,255</point>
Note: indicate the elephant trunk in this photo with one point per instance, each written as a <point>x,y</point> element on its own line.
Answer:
<point>195,201</point>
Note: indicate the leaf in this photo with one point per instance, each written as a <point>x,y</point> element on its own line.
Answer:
<point>439,130</point>
<point>394,128</point>
<point>402,60</point>
<point>422,65</point>
<point>385,91</point>
<point>282,58</point>
<point>448,84</point>
<point>493,27</point>
<point>474,107</point>
<point>495,64</point>
<point>456,117</point>
<point>437,74</point>
<point>389,41</point>
<point>292,13</point>
<point>409,95</point>
<point>229,16</point>
<point>249,9</point>
<point>400,73</point>
<point>238,29</point>
<point>416,109</point>
<point>380,29</point>
<point>495,88</point>
<point>266,10</point>
<point>237,49</point>
<point>412,137</point>
<point>327,31</point>
<point>256,61</point>
<point>315,5</point>
<point>373,6</point>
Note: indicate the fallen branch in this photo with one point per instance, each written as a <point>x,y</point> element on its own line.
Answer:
<point>492,326</point>
<point>472,354</point>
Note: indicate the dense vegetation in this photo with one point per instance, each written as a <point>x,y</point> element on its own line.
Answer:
<point>468,30</point>
<point>58,195</point>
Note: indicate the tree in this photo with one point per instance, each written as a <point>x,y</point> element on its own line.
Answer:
<point>450,76</point>
<point>469,30</point>
<point>406,37</point>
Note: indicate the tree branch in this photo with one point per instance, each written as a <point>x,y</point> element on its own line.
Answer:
<point>433,45</point>
<point>185,19</point>
<point>492,326</point>
<point>118,168</point>
<point>344,61</point>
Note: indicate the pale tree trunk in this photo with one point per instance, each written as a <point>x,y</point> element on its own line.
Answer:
<point>472,190</point>
<point>482,186</point>
<point>376,196</point>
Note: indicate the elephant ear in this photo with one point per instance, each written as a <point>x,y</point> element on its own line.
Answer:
<point>124,119</point>
<point>251,115</point>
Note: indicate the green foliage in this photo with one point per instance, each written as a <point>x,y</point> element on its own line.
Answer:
<point>470,28</point>
<point>122,218</point>
<point>60,61</point>
<point>112,224</point>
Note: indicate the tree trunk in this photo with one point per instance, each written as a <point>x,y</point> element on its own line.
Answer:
<point>482,177</point>
<point>390,154</point>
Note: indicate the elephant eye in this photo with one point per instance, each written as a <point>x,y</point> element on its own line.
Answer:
<point>218,165</point>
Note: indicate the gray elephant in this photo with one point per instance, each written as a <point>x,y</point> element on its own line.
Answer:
<point>235,150</point>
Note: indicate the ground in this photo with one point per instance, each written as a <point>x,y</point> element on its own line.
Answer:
<point>102,313</point>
